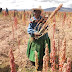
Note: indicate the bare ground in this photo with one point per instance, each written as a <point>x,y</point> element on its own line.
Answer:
<point>21,60</point>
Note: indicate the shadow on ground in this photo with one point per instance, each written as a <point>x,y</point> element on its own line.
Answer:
<point>7,68</point>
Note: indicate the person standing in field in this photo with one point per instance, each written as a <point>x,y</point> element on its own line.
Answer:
<point>36,44</point>
<point>7,11</point>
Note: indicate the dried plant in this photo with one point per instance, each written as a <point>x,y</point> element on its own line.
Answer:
<point>44,64</point>
<point>24,17</point>
<point>36,60</point>
<point>53,13</point>
<point>62,54</point>
<point>46,59</point>
<point>64,69</point>
<point>68,65</point>
<point>64,18</point>
<point>12,64</point>
<point>52,56</point>
<point>15,22</point>
<point>13,31</point>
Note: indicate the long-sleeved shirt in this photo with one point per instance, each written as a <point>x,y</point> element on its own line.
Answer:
<point>31,26</point>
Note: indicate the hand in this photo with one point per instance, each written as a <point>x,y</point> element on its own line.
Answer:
<point>37,34</point>
<point>35,21</point>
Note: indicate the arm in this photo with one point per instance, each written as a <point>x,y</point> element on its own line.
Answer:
<point>30,30</point>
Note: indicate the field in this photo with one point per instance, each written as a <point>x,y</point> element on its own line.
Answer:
<point>14,35</point>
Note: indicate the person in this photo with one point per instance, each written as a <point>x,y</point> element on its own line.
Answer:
<point>0,10</point>
<point>36,44</point>
<point>7,11</point>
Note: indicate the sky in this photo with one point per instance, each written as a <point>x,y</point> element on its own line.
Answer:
<point>29,4</point>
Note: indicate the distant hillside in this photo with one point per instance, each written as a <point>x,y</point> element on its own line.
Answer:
<point>49,9</point>
<point>62,9</point>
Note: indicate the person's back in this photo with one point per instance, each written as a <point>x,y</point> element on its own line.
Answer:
<point>7,11</point>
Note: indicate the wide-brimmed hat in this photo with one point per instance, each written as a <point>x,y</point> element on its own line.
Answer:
<point>39,8</point>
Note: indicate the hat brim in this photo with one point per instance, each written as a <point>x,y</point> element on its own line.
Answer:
<point>37,9</point>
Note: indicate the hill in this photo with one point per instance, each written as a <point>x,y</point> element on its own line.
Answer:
<point>62,9</point>
<point>48,9</point>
